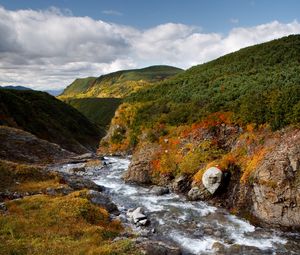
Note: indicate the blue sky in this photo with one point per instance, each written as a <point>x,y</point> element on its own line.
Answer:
<point>211,16</point>
<point>47,44</point>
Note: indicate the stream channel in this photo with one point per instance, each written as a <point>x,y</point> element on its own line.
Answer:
<point>196,227</point>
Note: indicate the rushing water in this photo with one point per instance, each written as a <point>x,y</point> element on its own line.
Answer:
<point>196,227</point>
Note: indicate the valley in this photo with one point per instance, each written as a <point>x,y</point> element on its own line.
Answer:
<point>208,158</point>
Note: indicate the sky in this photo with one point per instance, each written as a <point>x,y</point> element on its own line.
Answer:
<point>47,44</point>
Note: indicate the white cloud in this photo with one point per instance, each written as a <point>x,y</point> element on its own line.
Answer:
<point>48,49</point>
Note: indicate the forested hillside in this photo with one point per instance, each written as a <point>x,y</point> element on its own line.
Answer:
<point>259,84</point>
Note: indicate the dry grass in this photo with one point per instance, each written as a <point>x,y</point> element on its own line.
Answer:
<point>59,225</point>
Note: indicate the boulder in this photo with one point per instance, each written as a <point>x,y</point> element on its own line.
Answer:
<point>151,247</point>
<point>198,193</point>
<point>102,200</point>
<point>137,216</point>
<point>3,207</point>
<point>140,168</point>
<point>159,191</point>
<point>212,179</point>
<point>79,182</point>
<point>181,184</point>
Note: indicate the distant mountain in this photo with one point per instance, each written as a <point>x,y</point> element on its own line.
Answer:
<point>15,87</point>
<point>48,118</point>
<point>118,84</point>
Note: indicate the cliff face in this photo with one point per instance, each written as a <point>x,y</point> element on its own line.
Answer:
<point>276,185</point>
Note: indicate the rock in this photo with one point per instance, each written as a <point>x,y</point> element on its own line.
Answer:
<point>198,193</point>
<point>63,190</point>
<point>212,179</point>
<point>276,192</point>
<point>137,215</point>
<point>79,182</point>
<point>159,191</point>
<point>181,184</point>
<point>158,248</point>
<point>3,207</point>
<point>143,222</point>
<point>20,146</point>
<point>9,195</point>
<point>102,200</point>
<point>140,168</point>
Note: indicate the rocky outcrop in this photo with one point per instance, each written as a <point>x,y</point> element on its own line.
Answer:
<point>20,146</point>
<point>276,185</point>
<point>140,168</point>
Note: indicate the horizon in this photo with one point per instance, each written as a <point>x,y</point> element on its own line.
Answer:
<point>45,46</point>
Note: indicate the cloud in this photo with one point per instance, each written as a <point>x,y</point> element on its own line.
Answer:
<point>112,12</point>
<point>48,49</point>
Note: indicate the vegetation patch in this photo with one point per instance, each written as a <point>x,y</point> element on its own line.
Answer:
<point>59,225</point>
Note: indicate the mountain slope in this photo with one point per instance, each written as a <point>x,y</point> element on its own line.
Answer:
<point>118,84</point>
<point>49,119</point>
<point>98,110</point>
<point>260,84</point>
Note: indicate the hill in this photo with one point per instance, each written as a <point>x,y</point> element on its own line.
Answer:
<point>48,118</point>
<point>118,84</point>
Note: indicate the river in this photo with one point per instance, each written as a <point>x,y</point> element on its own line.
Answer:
<point>196,227</point>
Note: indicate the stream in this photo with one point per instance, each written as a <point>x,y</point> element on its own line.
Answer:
<point>196,227</point>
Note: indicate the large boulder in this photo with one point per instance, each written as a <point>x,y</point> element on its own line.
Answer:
<point>276,183</point>
<point>212,179</point>
<point>102,200</point>
<point>79,182</point>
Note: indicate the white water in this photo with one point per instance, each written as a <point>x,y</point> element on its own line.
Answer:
<point>194,226</point>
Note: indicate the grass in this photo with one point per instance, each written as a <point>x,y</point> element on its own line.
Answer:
<point>24,178</point>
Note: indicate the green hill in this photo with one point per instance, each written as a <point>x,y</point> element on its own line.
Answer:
<point>118,84</point>
<point>48,118</point>
<point>259,84</point>
<point>98,110</point>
